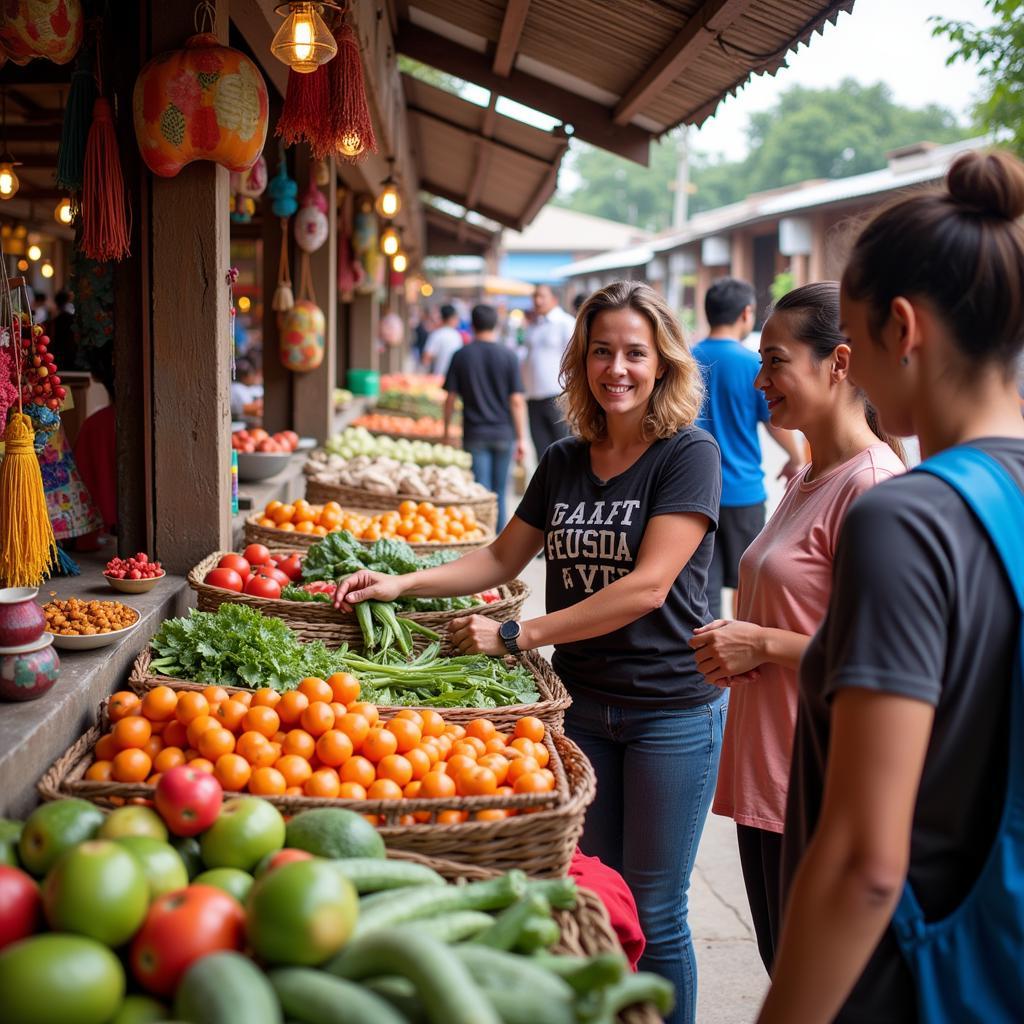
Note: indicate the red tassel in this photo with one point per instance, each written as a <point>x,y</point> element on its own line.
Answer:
<point>351,124</point>
<point>306,114</point>
<point>105,232</point>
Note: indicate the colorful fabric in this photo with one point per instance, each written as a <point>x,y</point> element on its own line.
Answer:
<point>68,501</point>
<point>611,889</point>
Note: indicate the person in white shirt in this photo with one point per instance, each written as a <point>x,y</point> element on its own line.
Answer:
<point>443,342</point>
<point>546,340</point>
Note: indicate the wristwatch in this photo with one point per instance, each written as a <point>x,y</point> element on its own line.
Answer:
<point>509,633</point>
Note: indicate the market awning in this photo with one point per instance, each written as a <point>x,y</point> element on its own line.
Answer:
<point>473,156</point>
<point>619,72</point>
<point>448,235</point>
<point>489,284</point>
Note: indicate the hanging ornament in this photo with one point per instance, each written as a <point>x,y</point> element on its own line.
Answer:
<point>350,270</point>
<point>302,330</point>
<point>311,226</point>
<point>75,126</point>
<point>351,123</point>
<point>41,28</point>
<point>204,102</point>
<point>246,187</point>
<point>283,203</point>
<point>105,216</point>
<point>306,114</point>
<point>303,42</point>
<point>322,172</point>
<point>367,252</point>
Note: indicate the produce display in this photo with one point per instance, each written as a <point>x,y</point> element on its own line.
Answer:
<point>412,383</point>
<point>237,646</point>
<point>256,572</point>
<point>87,618</point>
<point>424,426</point>
<point>428,402</point>
<point>420,523</point>
<point>258,440</point>
<point>385,475</point>
<point>355,441</point>
<point>342,397</point>
<point>138,567</point>
<point>249,918</point>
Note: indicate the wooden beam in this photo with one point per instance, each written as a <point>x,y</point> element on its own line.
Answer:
<point>36,72</point>
<point>250,18</point>
<point>698,33</point>
<point>591,121</point>
<point>508,40</point>
<point>542,194</point>
<point>452,196</point>
<point>33,133</point>
<point>483,154</point>
<point>37,113</point>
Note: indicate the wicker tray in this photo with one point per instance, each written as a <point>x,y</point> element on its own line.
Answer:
<point>540,843</point>
<point>550,709</point>
<point>586,929</point>
<point>319,493</point>
<point>317,620</point>
<point>292,540</point>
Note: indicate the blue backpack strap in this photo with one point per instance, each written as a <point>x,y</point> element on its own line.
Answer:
<point>993,496</point>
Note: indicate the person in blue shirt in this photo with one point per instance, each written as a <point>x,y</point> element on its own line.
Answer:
<point>733,407</point>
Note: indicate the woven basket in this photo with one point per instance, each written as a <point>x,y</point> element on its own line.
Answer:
<point>318,620</point>
<point>550,709</point>
<point>586,929</point>
<point>294,541</point>
<point>539,843</point>
<point>319,493</point>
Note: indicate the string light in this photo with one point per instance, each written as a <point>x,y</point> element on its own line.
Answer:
<point>389,202</point>
<point>304,41</point>
<point>244,303</point>
<point>389,242</point>
<point>23,265</point>
<point>426,290</point>
<point>62,212</point>
<point>399,263</point>
<point>34,252</point>
<point>46,269</point>
<point>351,143</point>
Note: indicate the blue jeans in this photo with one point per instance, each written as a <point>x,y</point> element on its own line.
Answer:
<point>656,773</point>
<point>491,461</point>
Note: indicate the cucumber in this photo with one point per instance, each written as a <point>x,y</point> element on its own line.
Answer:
<point>508,925</point>
<point>444,986</point>
<point>225,987</point>
<point>454,927</point>
<point>530,1008</point>
<point>317,998</point>
<point>538,933</point>
<point>401,994</point>
<point>584,974</point>
<point>507,972</point>
<point>603,1006</point>
<point>369,874</point>
<point>386,909</point>
<point>559,892</point>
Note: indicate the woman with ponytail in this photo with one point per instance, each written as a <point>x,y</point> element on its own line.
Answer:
<point>785,578</point>
<point>903,853</point>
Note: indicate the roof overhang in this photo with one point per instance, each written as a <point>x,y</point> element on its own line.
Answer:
<point>448,235</point>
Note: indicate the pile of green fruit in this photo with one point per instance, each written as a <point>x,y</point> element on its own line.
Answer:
<point>241,917</point>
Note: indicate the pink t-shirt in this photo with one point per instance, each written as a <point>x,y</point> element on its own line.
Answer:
<point>785,582</point>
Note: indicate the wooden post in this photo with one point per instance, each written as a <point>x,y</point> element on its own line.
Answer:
<point>191,343</point>
<point>313,393</point>
<point>365,322</point>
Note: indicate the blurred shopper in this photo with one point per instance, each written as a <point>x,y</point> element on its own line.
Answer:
<point>733,407</point>
<point>486,377</point>
<point>246,390</point>
<point>545,341</point>
<point>443,342</point>
<point>61,329</point>
<point>785,579</point>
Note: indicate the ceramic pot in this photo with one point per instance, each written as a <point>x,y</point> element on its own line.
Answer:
<point>21,620</point>
<point>28,674</point>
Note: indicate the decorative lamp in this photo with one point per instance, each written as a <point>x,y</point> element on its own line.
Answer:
<point>389,202</point>
<point>426,289</point>
<point>351,144</point>
<point>399,263</point>
<point>23,265</point>
<point>62,212</point>
<point>34,252</point>
<point>46,269</point>
<point>389,242</point>
<point>8,179</point>
<point>303,42</point>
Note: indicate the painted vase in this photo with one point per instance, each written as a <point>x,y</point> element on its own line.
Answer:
<point>302,337</point>
<point>51,29</point>
<point>29,674</point>
<point>21,619</point>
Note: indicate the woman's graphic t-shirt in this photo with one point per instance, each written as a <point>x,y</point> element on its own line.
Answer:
<point>593,530</point>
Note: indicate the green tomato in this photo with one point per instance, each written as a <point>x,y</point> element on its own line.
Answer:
<point>233,881</point>
<point>53,828</point>
<point>164,870</point>
<point>248,828</point>
<point>133,821</point>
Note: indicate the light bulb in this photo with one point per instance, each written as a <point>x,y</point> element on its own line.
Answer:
<point>46,269</point>
<point>351,143</point>
<point>8,180</point>
<point>62,211</point>
<point>34,252</point>
<point>426,290</point>
<point>389,202</point>
<point>303,42</point>
<point>244,304</point>
<point>23,265</point>
<point>399,262</point>
<point>389,242</point>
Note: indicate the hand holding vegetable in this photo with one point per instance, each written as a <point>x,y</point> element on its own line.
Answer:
<point>476,634</point>
<point>367,585</point>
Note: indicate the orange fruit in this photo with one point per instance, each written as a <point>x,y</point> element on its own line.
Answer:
<point>523,744</point>
<point>476,781</point>
<point>466,748</point>
<point>419,761</point>
<point>267,521</point>
<point>131,765</point>
<point>215,694</point>
<point>413,715</point>
<point>198,726</point>
<point>406,732</point>
<point>456,763</point>
<point>521,766</point>
<point>168,758</point>
<point>334,748</point>
<point>215,742</point>
<point>384,789</point>
<point>351,791</point>
<point>99,771</point>
<point>452,817</point>
<point>153,746</point>
<point>261,719</point>
<point>289,527</point>
<point>233,772</point>
<point>245,696</point>
<point>497,764</point>
<point>122,704</point>
<point>317,718</point>
<point>323,783</point>
<point>396,768</point>
<point>357,769</point>
<point>345,687</point>
<point>437,784</point>
<point>175,734</point>
<point>354,726</point>
<point>491,814</point>
<point>482,729</point>
<point>132,731</point>
<point>191,704</point>
<point>456,731</point>
<point>431,749</point>
<point>201,764</point>
<point>230,713</point>
<point>295,769</point>
<point>412,789</point>
<point>158,705</point>
<point>540,752</point>
<point>531,728</point>
<point>531,782</point>
<point>305,526</point>
<point>267,781</point>
<point>291,706</point>
<point>379,743</point>
<point>282,514</point>
<point>316,689</point>
<point>265,697</point>
<point>250,745</point>
<point>368,711</point>
<point>298,741</point>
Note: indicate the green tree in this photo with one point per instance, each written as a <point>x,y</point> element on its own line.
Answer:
<point>999,52</point>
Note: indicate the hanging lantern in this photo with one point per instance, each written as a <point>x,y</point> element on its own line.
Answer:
<point>311,225</point>
<point>46,269</point>
<point>389,242</point>
<point>8,179</point>
<point>51,29</point>
<point>399,263</point>
<point>302,330</point>
<point>389,202</point>
<point>62,212</point>
<point>351,126</point>
<point>351,144</point>
<point>304,41</point>
<point>366,248</point>
<point>34,252</point>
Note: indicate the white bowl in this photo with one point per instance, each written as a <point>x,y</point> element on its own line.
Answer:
<point>90,643</point>
<point>254,466</point>
<point>134,586</point>
<point>306,444</point>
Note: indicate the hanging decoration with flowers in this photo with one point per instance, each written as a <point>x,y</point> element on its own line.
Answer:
<point>204,102</point>
<point>283,191</point>
<point>246,188</point>
<point>50,29</point>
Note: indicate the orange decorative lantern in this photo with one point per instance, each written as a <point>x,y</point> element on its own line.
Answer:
<point>51,29</point>
<point>205,102</point>
<point>302,331</point>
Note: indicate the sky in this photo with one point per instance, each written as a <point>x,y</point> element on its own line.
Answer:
<point>882,40</point>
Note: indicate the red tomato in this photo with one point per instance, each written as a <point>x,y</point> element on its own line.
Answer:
<point>273,573</point>
<point>20,905</point>
<point>225,579</point>
<point>280,858</point>
<point>263,586</point>
<point>236,562</point>
<point>291,567</point>
<point>188,800</point>
<point>256,554</point>
<point>180,928</point>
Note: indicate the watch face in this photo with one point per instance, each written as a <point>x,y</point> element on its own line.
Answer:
<point>508,630</point>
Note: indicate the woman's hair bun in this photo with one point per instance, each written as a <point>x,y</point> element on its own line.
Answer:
<point>991,183</point>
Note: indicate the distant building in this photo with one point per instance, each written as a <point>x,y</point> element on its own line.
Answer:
<point>802,230</point>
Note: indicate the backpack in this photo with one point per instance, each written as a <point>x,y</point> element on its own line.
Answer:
<point>969,966</point>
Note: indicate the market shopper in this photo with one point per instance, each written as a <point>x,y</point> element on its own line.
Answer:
<point>443,342</point>
<point>625,512</point>
<point>732,410</point>
<point>545,341</point>
<point>485,376</point>
<point>785,577</point>
<point>908,738</point>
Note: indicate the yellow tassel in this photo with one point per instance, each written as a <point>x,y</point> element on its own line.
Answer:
<point>28,549</point>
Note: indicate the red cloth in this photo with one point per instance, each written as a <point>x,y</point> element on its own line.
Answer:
<point>96,455</point>
<point>611,889</point>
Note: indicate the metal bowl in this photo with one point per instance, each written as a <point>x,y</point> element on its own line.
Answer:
<point>254,466</point>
